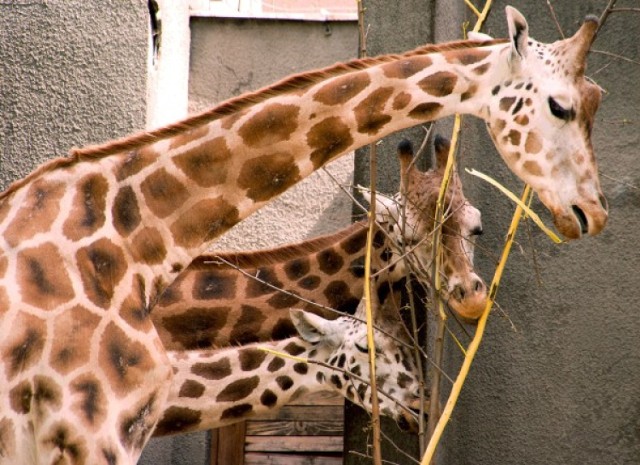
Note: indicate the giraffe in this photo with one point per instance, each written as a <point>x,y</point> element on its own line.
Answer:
<point>89,242</point>
<point>225,299</point>
<point>217,387</point>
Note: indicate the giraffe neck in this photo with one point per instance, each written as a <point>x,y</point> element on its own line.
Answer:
<point>237,298</point>
<point>213,388</point>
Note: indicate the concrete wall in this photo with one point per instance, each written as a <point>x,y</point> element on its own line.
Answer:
<point>71,73</point>
<point>232,56</point>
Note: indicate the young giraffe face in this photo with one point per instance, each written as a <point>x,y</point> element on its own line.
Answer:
<point>540,118</point>
<point>411,218</point>
<point>344,342</point>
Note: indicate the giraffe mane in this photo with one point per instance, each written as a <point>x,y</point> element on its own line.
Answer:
<point>230,106</point>
<point>259,258</point>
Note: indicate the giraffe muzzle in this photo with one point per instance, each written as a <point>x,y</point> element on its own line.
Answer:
<point>468,299</point>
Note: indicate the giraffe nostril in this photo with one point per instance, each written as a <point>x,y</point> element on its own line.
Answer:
<point>582,218</point>
<point>603,202</point>
<point>458,292</point>
<point>479,286</point>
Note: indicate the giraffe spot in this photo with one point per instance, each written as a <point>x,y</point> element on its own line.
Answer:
<point>518,106</point>
<point>293,349</point>
<point>339,296</point>
<point>425,111</point>
<point>251,359</point>
<point>480,70</point>
<point>47,395</point>
<point>283,329</point>
<point>148,247</point>
<point>383,291</point>
<point>136,426</point>
<point>191,389</point>
<point>329,261</point>
<point>135,309</point>
<point>310,282</point>
<point>71,331</point>
<point>268,398</point>
<point>43,282</point>
<point>195,328</point>
<point>285,382</point>
<point>125,211</point>
<point>327,139</point>
<point>135,161</point>
<point>237,411</point>
<point>301,368</point>
<point>125,362</point>
<point>470,92</point>
<point>266,284</point>
<point>38,211</point>
<point>495,90</point>
<point>102,265</point>
<point>355,243</point>
<point>403,69</point>
<point>273,123</point>
<point>238,389</point>
<point>522,120</point>
<point>275,364</point>
<point>248,326</point>
<point>7,438</point>
<point>369,112</point>
<point>177,420</point>
<point>69,445</point>
<point>320,377</point>
<point>4,262</point>
<point>283,300</point>
<point>356,267</point>
<point>267,176</point>
<point>295,269</point>
<point>213,371</point>
<point>90,402</point>
<point>533,143</point>
<point>532,167</point>
<point>24,344</point>
<point>204,221</point>
<point>466,56</point>
<point>110,457</point>
<point>207,164</point>
<point>336,381</point>
<point>439,84</point>
<point>188,136</point>
<point>506,102</point>
<point>401,100</point>
<point>163,193</point>
<point>20,398</point>
<point>514,137</point>
<point>340,90</point>
<point>498,125</point>
<point>212,285</point>
<point>87,213</point>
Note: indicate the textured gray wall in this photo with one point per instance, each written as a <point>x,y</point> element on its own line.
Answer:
<point>71,73</point>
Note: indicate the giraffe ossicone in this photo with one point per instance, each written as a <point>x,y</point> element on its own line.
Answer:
<point>217,387</point>
<point>88,243</point>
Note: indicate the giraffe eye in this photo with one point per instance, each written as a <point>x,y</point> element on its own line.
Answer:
<point>559,111</point>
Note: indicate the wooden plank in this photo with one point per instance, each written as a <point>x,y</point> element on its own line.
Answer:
<point>319,398</point>
<point>256,458</point>
<point>307,413</point>
<point>227,444</point>
<point>321,444</point>
<point>295,428</point>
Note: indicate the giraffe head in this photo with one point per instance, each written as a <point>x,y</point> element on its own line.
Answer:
<point>540,118</point>
<point>344,348</point>
<point>411,217</point>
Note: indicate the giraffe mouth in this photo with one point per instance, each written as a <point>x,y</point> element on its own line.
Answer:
<point>582,219</point>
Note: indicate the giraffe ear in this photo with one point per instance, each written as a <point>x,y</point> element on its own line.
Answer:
<point>518,33</point>
<point>442,145</point>
<point>312,328</point>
